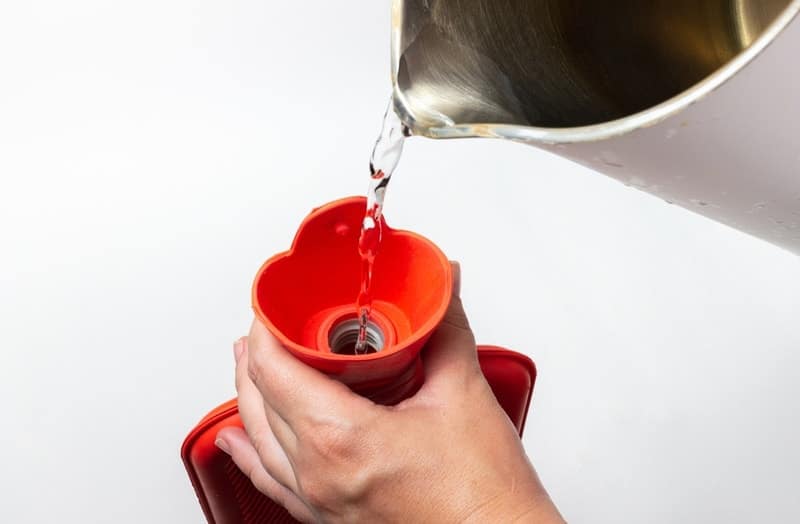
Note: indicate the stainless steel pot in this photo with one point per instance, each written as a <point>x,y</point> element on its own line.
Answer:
<point>694,101</point>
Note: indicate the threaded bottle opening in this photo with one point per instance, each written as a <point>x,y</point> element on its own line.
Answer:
<point>344,335</point>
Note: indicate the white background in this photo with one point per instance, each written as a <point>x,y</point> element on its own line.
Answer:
<point>154,153</point>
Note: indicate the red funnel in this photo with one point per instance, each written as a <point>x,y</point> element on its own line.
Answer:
<point>306,298</point>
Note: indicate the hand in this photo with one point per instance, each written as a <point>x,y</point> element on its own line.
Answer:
<point>448,454</point>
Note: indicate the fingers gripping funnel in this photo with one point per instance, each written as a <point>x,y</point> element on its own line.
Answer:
<point>307,298</point>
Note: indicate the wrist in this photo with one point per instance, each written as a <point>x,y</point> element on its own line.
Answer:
<point>524,506</point>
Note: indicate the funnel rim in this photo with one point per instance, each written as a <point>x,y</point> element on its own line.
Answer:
<point>416,336</point>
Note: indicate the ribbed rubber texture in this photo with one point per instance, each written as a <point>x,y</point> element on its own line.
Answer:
<point>254,507</point>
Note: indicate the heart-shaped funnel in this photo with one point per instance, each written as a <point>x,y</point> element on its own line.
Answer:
<point>307,298</point>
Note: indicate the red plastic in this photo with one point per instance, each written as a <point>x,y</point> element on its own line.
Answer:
<point>300,295</point>
<point>302,292</point>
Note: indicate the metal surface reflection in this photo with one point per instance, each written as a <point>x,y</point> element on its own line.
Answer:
<point>561,63</point>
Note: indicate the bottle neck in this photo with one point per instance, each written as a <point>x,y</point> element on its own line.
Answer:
<point>394,390</point>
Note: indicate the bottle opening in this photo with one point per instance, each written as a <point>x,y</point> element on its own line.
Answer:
<point>344,335</point>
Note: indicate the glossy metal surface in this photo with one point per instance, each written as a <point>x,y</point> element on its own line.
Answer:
<point>695,102</point>
<point>562,63</point>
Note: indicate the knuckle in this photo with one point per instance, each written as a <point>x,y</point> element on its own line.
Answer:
<point>258,437</point>
<point>334,440</point>
<point>336,490</point>
<point>317,492</point>
<point>255,371</point>
<point>339,467</point>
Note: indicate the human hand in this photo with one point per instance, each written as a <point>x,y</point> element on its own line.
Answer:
<point>447,454</point>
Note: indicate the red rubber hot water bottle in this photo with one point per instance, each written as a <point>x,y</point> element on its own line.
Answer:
<point>306,298</point>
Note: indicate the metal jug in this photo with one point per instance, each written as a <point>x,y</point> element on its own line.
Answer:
<point>694,101</point>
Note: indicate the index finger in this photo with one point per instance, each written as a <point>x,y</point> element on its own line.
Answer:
<point>298,393</point>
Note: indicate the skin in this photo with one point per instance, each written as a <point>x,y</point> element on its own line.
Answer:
<point>448,454</point>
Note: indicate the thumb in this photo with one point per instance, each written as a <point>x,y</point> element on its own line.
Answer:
<point>451,349</point>
<point>455,316</point>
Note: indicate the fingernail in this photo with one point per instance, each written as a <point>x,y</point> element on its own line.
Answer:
<point>221,444</point>
<point>456,277</point>
<point>238,349</point>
